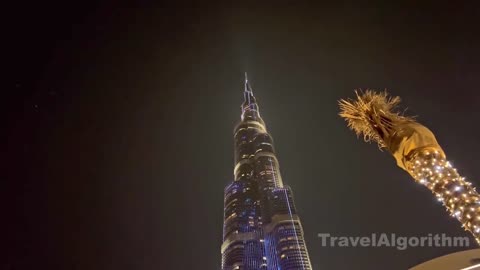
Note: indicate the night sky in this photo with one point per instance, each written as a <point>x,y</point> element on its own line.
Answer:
<point>119,118</point>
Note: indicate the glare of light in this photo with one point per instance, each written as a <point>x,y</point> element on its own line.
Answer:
<point>471,267</point>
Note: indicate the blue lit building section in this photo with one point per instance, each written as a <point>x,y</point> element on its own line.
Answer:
<point>261,227</point>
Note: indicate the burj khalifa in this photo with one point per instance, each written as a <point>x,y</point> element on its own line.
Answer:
<point>261,227</point>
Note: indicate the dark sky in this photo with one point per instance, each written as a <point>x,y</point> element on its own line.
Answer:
<point>119,118</point>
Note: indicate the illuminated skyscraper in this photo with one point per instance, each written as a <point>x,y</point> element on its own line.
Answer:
<point>261,227</point>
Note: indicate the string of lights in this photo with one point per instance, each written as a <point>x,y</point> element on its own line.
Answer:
<point>462,201</point>
<point>373,116</point>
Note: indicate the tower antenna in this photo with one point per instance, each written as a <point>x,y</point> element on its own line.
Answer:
<point>248,88</point>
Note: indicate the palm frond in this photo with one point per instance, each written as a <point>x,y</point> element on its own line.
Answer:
<point>372,115</point>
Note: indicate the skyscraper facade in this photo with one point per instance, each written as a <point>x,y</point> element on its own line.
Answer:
<point>261,227</point>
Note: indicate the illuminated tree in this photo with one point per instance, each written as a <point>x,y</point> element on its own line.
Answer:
<point>416,150</point>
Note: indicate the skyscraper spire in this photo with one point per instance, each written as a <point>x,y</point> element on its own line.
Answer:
<point>249,106</point>
<point>246,82</point>
<point>248,88</point>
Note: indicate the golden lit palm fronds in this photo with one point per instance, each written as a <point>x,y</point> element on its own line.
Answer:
<point>372,115</point>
